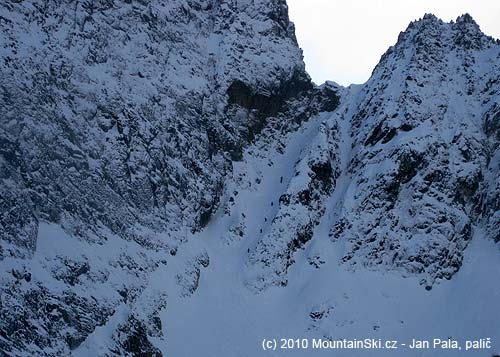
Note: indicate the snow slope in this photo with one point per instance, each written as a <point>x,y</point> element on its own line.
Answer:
<point>172,183</point>
<point>400,240</point>
<point>120,120</point>
<point>225,318</point>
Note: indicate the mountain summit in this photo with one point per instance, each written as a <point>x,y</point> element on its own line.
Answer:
<point>170,171</point>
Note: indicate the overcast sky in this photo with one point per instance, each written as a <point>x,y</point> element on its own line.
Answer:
<point>344,39</point>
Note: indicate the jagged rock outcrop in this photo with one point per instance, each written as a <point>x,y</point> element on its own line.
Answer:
<point>112,97</point>
<point>126,126</point>
<point>419,158</point>
<point>120,119</point>
<point>301,207</point>
<point>422,160</point>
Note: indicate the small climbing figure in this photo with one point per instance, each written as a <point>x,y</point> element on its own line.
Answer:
<point>261,230</point>
<point>272,203</point>
<point>248,250</point>
<point>281,179</point>
<point>265,219</point>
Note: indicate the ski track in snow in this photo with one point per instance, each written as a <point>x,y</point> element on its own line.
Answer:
<point>224,318</point>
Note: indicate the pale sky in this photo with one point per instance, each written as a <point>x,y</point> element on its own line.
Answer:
<point>344,39</point>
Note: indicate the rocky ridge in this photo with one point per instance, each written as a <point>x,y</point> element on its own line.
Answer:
<point>417,158</point>
<point>123,127</point>
<point>120,121</point>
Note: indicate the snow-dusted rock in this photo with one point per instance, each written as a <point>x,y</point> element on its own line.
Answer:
<point>136,136</point>
<point>418,153</point>
<point>119,120</point>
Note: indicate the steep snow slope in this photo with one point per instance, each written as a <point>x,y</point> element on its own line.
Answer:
<point>402,206</point>
<point>172,183</point>
<point>119,121</point>
<point>322,298</point>
<point>402,162</point>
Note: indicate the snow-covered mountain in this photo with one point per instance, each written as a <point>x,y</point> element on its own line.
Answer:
<point>419,154</point>
<point>173,183</point>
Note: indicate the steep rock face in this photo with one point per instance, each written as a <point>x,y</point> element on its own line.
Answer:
<point>491,203</point>
<point>123,121</point>
<point>119,121</point>
<point>419,155</point>
<point>418,150</point>
<point>128,102</point>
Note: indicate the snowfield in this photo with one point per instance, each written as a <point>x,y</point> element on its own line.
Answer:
<point>224,318</point>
